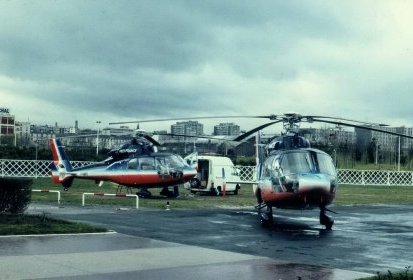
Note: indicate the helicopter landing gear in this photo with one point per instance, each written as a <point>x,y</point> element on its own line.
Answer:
<point>166,192</point>
<point>144,193</point>
<point>325,220</point>
<point>265,214</point>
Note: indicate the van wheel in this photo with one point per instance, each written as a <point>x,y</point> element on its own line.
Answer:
<point>195,183</point>
<point>214,191</point>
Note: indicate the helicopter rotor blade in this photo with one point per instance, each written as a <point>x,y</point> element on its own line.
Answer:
<point>153,141</point>
<point>364,127</point>
<point>311,118</point>
<point>193,118</point>
<point>78,136</point>
<point>197,136</point>
<point>252,131</point>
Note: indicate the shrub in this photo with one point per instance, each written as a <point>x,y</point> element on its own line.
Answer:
<point>15,195</point>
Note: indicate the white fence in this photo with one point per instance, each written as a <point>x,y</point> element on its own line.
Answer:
<point>375,177</point>
<point>31,168</point>
<point>352,177</point>
<point>41,168</point>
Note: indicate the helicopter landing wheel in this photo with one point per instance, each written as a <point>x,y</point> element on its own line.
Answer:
<point>169,193</point>
<point>265,214</point>
<point>176,191</point>
<point>325,220</point>
<point>144,193</point>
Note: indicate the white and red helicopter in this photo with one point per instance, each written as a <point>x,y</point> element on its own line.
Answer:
<point>136,164</point>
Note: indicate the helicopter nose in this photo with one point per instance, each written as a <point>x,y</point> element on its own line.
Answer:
<point>311,182</point>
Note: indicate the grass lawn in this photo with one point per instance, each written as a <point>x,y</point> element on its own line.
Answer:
<point>41,224</point>
<point>346,195</point>
<point>365,195</point>
<point>185,200</point>
<point>406,275</point>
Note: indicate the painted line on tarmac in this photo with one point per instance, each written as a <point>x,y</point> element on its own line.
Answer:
<point>59,234</point>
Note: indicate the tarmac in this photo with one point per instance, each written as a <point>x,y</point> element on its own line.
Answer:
<point>120,256</point>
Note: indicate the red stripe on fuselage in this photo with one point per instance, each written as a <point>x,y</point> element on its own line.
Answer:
<point>312,198</point>
<point>136,180</point>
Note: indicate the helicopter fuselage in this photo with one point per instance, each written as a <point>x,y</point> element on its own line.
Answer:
<point>125,173</point>
<point>297,179</point>
<point>139,171</point>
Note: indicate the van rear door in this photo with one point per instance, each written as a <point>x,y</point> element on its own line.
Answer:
<point>203,172</point>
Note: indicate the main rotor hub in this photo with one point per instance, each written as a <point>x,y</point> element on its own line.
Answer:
<point>287,142</point>
<point>291,122</point>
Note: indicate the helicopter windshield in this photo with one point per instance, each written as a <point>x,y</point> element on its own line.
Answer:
<point>324,164</point>
<point>292,163</point>
<point>171,161</point>
<point>307,162</point>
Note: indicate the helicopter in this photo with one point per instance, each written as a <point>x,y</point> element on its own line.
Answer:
<point>290,174</point>
<point>136,164</point>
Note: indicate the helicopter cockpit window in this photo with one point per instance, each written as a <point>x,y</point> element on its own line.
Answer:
<point>174,161</point>
<point>296,162</point>
<point>267,169</point>
<point>160,162</point>
<point>324,164</point>
<point>133,164</point>
<point>147,163</point>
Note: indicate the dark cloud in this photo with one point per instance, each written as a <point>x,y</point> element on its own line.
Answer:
<point>136,59</point>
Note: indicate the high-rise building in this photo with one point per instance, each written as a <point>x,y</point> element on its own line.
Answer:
<point>190,128</point>
<point>229,129</point>
<point>388,142</point>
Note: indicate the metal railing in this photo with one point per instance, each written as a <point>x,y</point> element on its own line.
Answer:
<point>41,168</point>
<point>111,194</point>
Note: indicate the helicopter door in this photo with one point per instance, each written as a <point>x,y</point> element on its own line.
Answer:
<point>162,167</point>
<point>269,178</point>
<point>276,174</point>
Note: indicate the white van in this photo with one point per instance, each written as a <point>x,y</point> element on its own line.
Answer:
<point>215,172</point>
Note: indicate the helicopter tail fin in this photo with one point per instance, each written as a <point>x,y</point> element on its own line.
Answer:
<point>61,166</point>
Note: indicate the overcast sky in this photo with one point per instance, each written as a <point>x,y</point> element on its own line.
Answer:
<point>62,61</point>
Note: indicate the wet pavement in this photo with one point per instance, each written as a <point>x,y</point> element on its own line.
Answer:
<point>227,243</point>
<point>119,256</point>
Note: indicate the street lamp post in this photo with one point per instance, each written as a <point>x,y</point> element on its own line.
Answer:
<point>398,158</point>
<point>97,138</point>
<point>36,157</point>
